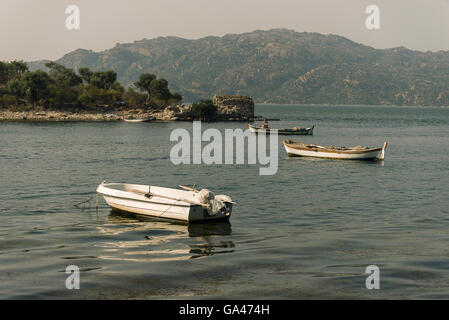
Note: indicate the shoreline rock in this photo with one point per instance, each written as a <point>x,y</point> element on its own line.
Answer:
<point>181,114</point>
<point>57,116</point>
<point>229,108</point>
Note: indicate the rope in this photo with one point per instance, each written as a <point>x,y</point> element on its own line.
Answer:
<point>149,195</point>
<point>168,208</point>
<point>77,205</point>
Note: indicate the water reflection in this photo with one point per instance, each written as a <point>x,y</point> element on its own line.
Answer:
<point>353,162</point>
<point>193,230</point>
<point>137,238</point>
<point>202,250</point>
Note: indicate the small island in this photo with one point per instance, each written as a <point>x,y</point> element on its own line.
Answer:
<point>62,94</point>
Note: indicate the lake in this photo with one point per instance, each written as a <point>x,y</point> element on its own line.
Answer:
<point>307,232</point>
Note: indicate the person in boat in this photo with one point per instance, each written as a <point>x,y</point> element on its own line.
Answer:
<point>265,124</point>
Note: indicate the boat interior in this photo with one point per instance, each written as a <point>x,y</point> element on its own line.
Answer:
<point>334,148</point>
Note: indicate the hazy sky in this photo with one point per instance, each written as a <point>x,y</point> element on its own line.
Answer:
<point>35,29</point>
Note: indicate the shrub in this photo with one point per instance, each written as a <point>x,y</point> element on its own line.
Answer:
<point>204,110</point>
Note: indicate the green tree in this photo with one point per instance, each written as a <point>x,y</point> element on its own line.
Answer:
<point>16,69</point>
<point>159,89</point>
<point>3,73</point>
<point>144,84</point>
<point>103,79</point>
<point>101,88</point>
<point>92,95</point>
<point>16,87</point>
<point>176,97</point>
<point>35,85</point>
<point>62,76</point>
<point>85,73</point>
<point>156,89</point>
<point>204,110</point>
<point>133,98</point>
<point>11,70</point>
<point>64,87</point>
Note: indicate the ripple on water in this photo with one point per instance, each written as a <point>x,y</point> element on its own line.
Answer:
<point>307,232</point>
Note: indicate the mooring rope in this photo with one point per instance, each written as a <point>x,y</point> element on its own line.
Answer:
<point>77,205</point>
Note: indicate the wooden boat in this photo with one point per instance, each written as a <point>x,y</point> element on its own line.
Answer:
<point>293,131</point>
<point>187,205</point>
<point>356,153</point>
<point>146,119</point>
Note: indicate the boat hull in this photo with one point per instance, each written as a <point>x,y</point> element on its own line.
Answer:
<point>137,120</point>
<point>137,203</point>
<point>284,132</point>
<point>371,154</point>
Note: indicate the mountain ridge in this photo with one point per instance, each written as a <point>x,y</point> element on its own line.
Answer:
<point>278,66</point>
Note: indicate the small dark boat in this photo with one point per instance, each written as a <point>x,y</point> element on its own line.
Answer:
<point>292,131</point>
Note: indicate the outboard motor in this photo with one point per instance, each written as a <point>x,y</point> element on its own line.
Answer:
<point>215,204</point>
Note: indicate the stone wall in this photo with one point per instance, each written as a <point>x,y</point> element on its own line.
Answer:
<point>234,107</point>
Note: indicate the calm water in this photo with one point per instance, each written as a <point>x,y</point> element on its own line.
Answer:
<point>307,232</point>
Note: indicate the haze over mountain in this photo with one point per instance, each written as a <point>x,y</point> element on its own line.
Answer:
<point>278,66</point>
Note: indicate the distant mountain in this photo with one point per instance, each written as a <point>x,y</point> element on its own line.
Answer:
<point>279,66</point>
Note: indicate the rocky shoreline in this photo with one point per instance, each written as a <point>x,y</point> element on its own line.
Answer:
<point>229,108</point>
<point>57,116</point>
<point>60,116</point>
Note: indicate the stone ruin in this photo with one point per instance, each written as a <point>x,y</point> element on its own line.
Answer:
<point>234,107</point>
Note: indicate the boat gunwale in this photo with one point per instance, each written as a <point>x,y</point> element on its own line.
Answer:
<point>138,197</point>
<point>177,203</point>
<point>294,155</point>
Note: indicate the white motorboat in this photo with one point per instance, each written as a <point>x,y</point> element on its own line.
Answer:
<point>356,153</point>
<point>187,205</point>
